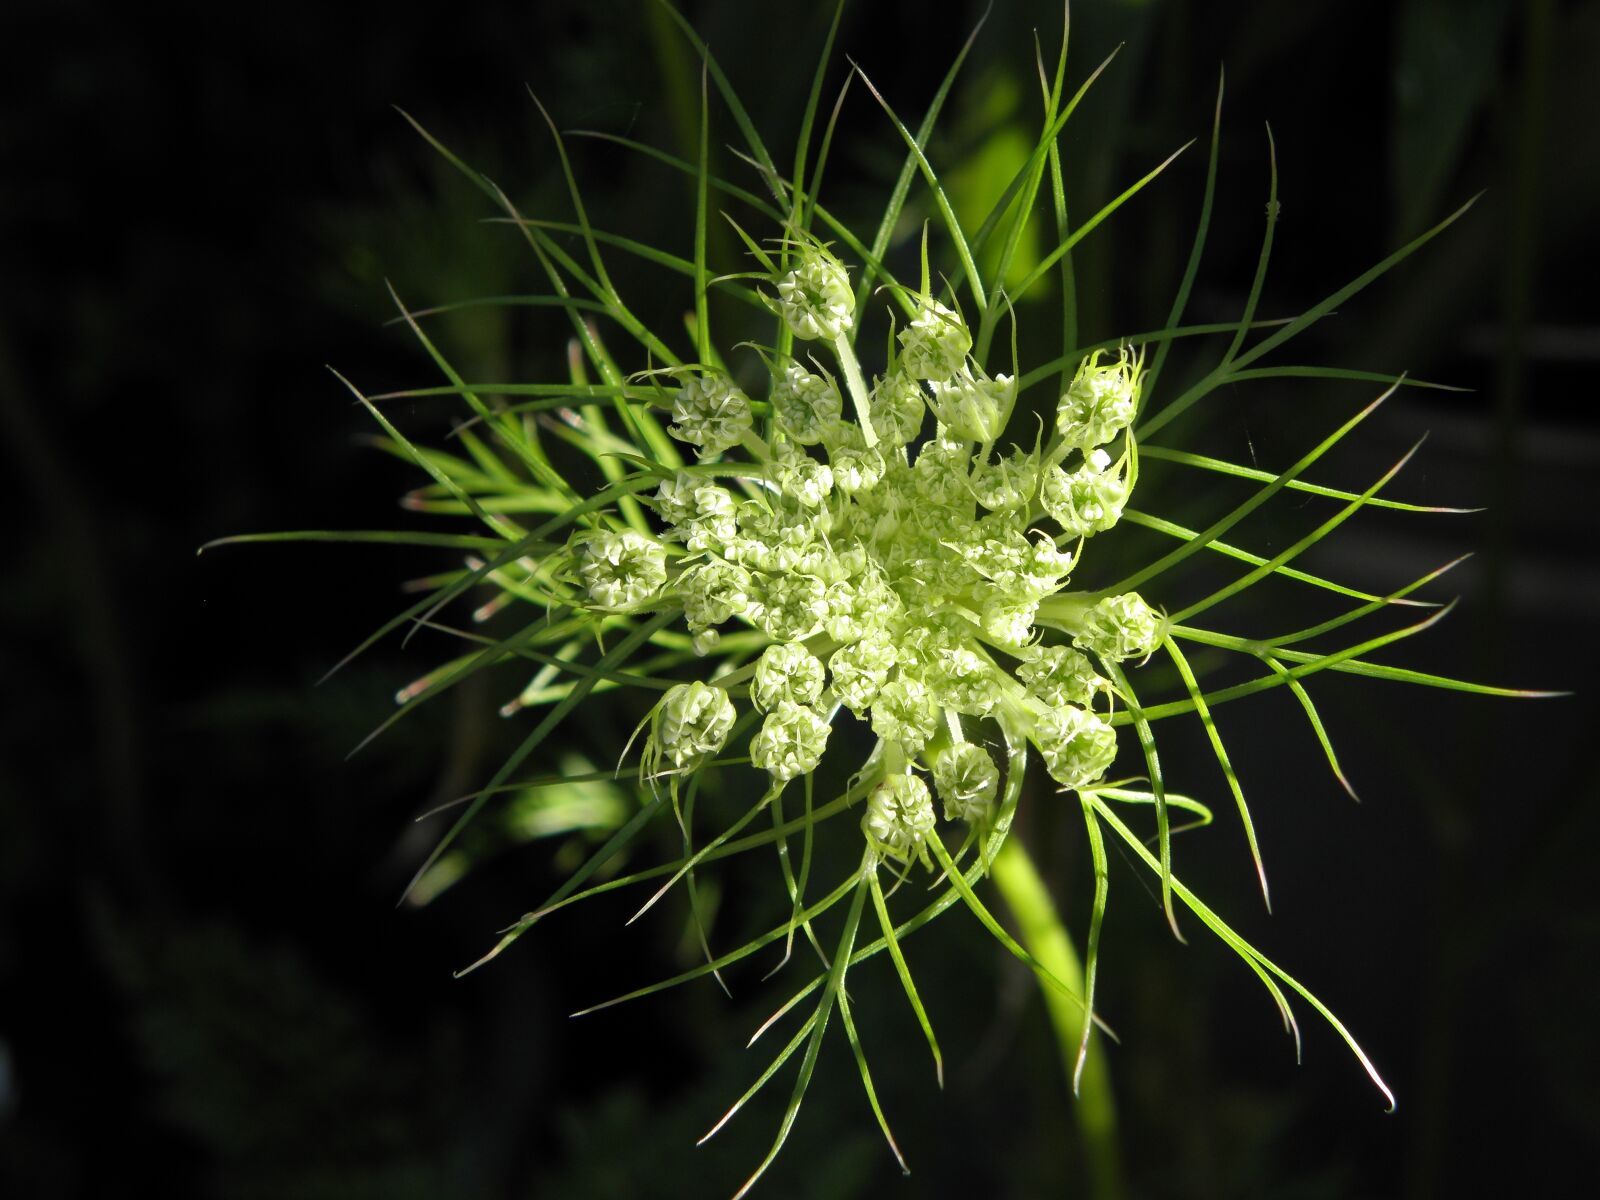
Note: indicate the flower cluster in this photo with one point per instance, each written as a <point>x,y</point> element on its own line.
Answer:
<point>833,546</point>
<point>901,568</point>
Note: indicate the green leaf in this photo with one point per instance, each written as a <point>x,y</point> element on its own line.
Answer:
<point>832,990</point>
<point>1306,319</point>
<point>1183,533</point>
<point>904,971</point>
<point>1158,788</point>
<point>1197,248</point>
<point>985,918</point>
<point>616,656</point>
<point>1257,962</point>
<point>1221,753</point>
<point>902,184</point>
<point>941,201</point>
<point>1201,540</point>
<point>1277,561</point>
<point>384,537</point>
<point>1222,467</point>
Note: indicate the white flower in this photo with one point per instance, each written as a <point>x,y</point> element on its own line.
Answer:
<point>790,742</point>
<point>935,344</point>
<point>693,723</point>
<point>814,299</point>
<point>1078,746</point>
<point>711,413</point>
<point>620,569</point>
<point>899,815</point>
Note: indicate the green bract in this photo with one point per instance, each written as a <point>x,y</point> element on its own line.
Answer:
<point>803,578</point>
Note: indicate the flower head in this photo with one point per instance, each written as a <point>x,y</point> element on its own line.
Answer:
<point>899,816</point>
<point>693,724</point>
<point>710,412</point>
<point>814,299</point>
<point>934,345</point>
<point>854,592</point>
<point>1100,402</point>
<point>620,570</point>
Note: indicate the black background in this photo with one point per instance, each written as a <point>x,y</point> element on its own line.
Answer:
<point>205,988</point>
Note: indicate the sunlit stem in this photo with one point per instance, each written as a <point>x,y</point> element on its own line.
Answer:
<point>1047,940</point>
<point>857,387</point>
<point>757,447</point>
<point>1066,610</point>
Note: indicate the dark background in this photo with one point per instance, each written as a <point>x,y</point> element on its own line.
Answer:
<point>205,987</point>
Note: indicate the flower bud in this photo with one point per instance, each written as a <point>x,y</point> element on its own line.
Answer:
<point>711,413</point>
<point>899,816</point>
<point>1007,484</point>
<point>693,723</point>
<point>856,469</point>
<point>793,607</point>
<point>1087,501</point>
<point>806,405</point>
<point>898,408</point>
<point>1007,620</point>
<point>710,523</point>
<point>786,672</point>
<point>905,712</point>
<point>620,569</point>
<point>974,409</point>
<point>1099,403</point>
<point>790,742</point>
<point>712,592</point>
<point>801,477</point>
<point>1060,675</point>
<point>961,679</point>
<point>935,344</point>
<point>814,299</point>
<point>940,473</point>
<point>967,781</point>
<point>1078,746</point>
<point>859,670</point>
<point>1120,627</point>
<point>674,500</point>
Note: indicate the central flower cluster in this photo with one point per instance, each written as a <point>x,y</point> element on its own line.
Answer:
<point>910,578</point>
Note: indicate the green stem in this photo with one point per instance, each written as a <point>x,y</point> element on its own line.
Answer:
<point>1048,941</point>
<point>857,387</point>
